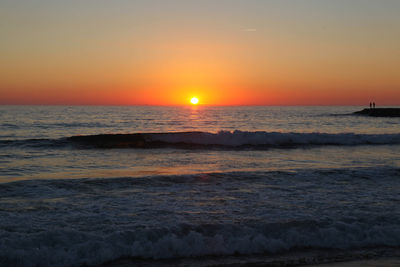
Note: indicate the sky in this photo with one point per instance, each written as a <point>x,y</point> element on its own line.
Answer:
<point>225,52</point>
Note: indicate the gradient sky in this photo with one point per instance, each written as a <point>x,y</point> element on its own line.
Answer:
<point>226,52</point>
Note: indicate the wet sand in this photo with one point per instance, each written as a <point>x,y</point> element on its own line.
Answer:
<point>389,262</point>
<point>323,258</point>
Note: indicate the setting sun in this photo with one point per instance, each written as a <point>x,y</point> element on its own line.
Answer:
<point>194,100</point>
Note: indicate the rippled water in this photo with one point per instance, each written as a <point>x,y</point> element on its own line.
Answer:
<point>251,180</point>
<point>20,122</point>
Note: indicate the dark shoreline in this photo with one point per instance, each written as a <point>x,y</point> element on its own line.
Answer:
<point>379,112</point>
<point>380,256</point>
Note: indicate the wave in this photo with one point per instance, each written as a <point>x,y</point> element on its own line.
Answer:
<point>70,247</point>
<point>39,187</point>
<point>35,143</point>
<point>93,221</point>
<point>205,140</point>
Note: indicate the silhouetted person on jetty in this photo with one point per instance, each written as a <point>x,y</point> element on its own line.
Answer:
<point>370,105</point>
<point>373,104</point>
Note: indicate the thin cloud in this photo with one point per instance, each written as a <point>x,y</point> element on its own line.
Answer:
<point>249,30</point>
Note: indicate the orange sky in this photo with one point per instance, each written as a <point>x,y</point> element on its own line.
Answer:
<point>226,52</point>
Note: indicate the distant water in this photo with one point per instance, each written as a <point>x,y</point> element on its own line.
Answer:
<point>89,185</point>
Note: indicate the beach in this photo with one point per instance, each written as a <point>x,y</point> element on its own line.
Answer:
<point>198,186</point>
<point>367,257</point>
<point>199,133</point>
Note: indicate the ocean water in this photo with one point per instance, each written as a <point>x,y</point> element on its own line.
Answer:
<point>92,185</point>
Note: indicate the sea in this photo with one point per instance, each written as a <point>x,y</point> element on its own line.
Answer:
<point>196,185</point>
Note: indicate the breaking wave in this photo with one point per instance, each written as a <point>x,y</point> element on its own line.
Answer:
<point>77,248</point>
<point>93,221</point>
<point>204,140</point>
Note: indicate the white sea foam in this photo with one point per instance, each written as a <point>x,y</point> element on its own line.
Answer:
<point>91,221</point>
<point>68,247</point>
